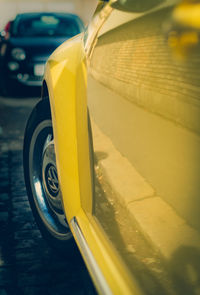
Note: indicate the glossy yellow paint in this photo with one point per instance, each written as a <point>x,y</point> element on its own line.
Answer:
<point>66,78</point>
<point>66,81</point>
<point>112,267</point>
<point>65,67</point>
<point>187,14</point>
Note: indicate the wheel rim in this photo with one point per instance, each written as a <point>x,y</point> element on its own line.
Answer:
<point>44,181</point>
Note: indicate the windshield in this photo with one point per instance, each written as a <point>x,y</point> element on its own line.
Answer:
<point>46,25</point>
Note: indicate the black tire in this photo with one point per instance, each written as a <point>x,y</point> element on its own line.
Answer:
<point>40,178</point>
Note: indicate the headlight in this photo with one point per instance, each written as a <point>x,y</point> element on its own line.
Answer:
<point>13,66</point>
<point>18,54</point>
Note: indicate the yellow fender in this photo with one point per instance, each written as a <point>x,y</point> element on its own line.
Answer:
<point>66,81</point>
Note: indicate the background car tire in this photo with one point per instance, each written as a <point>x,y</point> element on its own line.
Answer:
<point>40,178</point>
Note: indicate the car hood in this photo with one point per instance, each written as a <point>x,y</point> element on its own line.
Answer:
<point>38,47</point>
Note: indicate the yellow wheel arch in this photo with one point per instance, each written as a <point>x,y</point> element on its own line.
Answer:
<point>66,81</point>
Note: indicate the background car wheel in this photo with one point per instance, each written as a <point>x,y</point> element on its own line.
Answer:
<point>42,180</point>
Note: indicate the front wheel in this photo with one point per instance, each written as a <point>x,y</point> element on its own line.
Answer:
<point>41,178</point>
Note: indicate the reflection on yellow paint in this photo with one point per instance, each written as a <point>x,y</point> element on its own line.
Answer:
<point>184,35</point>
<point>57,71</point>
<point>183,42</point>
<point>188,14</point>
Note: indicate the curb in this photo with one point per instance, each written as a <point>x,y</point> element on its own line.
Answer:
<point>157,220</point>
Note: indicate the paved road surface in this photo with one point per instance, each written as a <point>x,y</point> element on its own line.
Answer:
<point>27,265</point>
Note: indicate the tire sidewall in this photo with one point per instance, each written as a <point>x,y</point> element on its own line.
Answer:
<point>40,113</point>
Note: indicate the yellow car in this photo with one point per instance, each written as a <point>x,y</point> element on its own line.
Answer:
<point>112,150</point>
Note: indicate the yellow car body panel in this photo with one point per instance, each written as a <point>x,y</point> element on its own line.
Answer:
<point>108,260</point>
<point>69,111</point>
<point>66,80</point>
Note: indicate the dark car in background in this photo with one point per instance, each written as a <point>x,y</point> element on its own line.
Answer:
<point>32,39</point>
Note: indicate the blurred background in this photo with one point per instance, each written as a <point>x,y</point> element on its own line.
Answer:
<point>9,8</point>
<point>26,41</point>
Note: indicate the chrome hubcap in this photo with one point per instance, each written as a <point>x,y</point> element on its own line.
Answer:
<point>50,177</point>
<point>44,181</point>
<point>51,180</point>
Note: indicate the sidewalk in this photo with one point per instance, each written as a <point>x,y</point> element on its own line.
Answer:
<point>157,220</point>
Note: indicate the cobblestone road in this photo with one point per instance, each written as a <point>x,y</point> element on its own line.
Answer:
<point>27,265</point>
